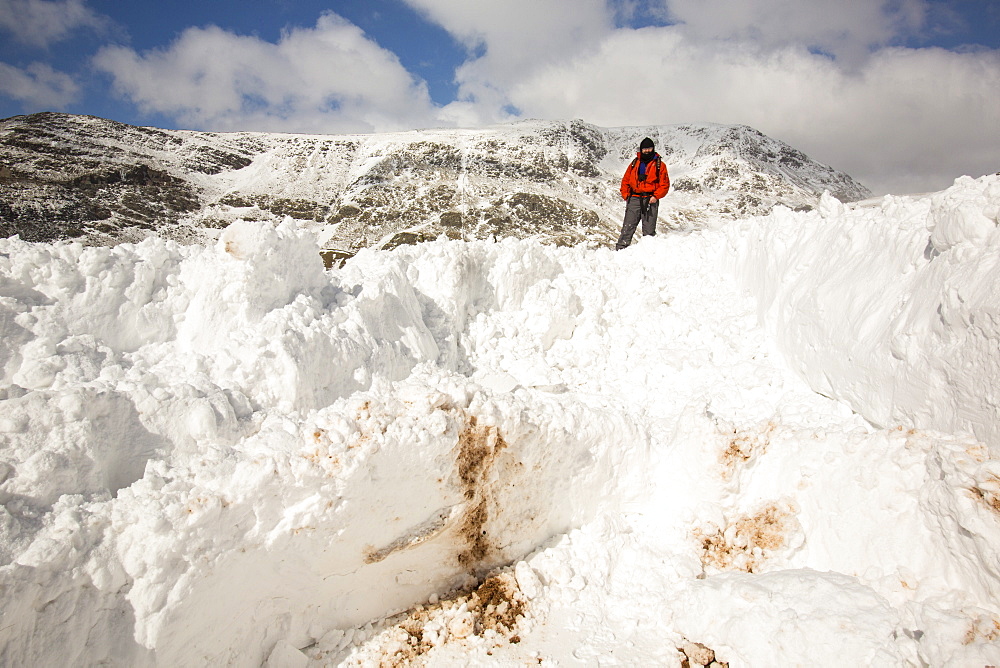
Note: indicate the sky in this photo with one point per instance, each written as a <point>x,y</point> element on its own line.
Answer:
<point>904,95</point>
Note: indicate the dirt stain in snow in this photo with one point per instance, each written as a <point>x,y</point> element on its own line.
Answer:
<point>983,628</point>
<point>233,249</point>
<point>990,497</point>
<point>478,448</point>
<point>747,542</point>
<point>742,446</point>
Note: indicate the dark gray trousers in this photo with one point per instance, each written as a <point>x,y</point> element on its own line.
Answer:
<point>636,209</point>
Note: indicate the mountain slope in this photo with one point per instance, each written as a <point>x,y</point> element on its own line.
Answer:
<point>76,176</point>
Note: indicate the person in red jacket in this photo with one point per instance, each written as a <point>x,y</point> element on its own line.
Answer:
<point>646,181</point>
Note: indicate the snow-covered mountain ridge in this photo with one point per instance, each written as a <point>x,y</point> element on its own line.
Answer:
<point>76,176</point>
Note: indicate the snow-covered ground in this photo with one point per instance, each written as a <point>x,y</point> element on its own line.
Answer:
<point>778,440</point>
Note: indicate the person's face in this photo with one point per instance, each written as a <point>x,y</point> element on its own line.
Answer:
<point>647,150</point>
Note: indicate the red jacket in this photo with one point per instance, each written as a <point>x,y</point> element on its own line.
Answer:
<point>657,181</point>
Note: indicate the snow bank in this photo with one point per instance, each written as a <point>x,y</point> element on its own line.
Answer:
<point>229,421</point>
<point>892,307</point>
<point>227,455</point>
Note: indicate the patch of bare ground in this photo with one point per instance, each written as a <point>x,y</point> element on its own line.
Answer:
<point>742,445</point>
<point>696,654</point>
<point>745,543</point>
<point>490,615</point>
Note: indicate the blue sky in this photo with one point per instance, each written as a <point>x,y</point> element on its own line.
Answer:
<point>902,94</point>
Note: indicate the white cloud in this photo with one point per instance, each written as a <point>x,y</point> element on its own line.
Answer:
<point>38,86</point>
<point>512,40</point>
<point>846,29</point>
<point>330,78</point>
<point>41,22</point>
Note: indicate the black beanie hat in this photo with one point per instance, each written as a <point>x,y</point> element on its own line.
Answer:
<point>646,143</point>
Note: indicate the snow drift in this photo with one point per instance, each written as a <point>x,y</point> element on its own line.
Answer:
<point>229,455</point>
<point>899,320</point>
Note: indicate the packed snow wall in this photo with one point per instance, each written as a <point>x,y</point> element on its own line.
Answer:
<point>891,306</point>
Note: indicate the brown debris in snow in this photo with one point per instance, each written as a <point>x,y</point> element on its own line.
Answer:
<point>490,614</point>
<point>743,445</point>
<point>478,447</point>
<point>696,654</point>
<point>744,544</point>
